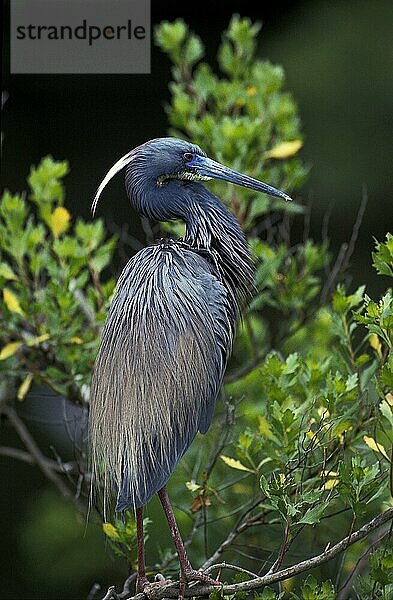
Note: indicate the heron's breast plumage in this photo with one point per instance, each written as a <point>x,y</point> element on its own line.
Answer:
<point>159,368</point>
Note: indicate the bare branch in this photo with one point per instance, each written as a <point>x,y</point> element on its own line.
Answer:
<point>39,458</point>
<point>26,457</point>
<point>283,549</point>
<point>21,455</point>
<point>355,230</point>
<point>172,591</point>
<point>345,252</point>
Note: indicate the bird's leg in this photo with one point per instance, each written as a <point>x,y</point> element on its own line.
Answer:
<point>141,579</point>
<point>142,582</point>
<point>187,572</point>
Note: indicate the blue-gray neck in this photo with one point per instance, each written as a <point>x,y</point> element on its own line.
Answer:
<point>209,226</point>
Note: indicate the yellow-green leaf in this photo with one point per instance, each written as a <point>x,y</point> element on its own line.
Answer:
<point>344,425</point>
<point>375,343</point>
<point>373,445</point>
<point>34,341</point>
<point>76,340</point>
<point>264,428</point>
<point>192,486</point>
<point>24,386</point>
<point>284,150</point>
<point>59,221</point>
<point>235,464</point>
<point>251,90</point>
<point>9,350</point>
<point>12,302</point>
<point>110,531</point>
<point>42,338</point>
<point>331,481</point>
<point>6,271</point>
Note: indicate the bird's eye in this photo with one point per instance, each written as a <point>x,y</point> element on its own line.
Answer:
<point>188,156</point>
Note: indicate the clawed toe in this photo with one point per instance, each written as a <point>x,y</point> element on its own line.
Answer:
<point>192,575</point>
<point>145,586</point>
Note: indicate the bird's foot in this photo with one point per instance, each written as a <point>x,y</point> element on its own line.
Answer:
<point>146,586</point>
<point>190,575</point>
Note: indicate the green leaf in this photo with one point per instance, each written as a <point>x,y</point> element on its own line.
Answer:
<point>13,210</point>
<point>313,515</point>
<point>170,37</point>
<point>193,50</point>
<point>45,182</point>
<point>383,256</point>
<point>387,411</point>
<point>351,382</point>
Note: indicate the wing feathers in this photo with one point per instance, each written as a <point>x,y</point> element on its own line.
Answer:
<point>159,369</point>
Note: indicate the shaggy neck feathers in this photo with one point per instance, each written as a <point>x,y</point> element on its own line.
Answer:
<point>209,226</point>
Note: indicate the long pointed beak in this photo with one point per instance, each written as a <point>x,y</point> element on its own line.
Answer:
<point>210,168</point>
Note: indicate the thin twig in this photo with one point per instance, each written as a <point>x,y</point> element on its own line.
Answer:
<point>346,251</point>
<point>283,549</point>
<point>225,565</point>
<point>355,230</point>
<point>334,273</point>
<point>241,526</point>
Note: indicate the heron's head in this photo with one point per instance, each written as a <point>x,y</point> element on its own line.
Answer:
<point>165,164</point>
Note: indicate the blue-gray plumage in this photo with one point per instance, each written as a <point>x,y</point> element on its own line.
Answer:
<point>169,329</point>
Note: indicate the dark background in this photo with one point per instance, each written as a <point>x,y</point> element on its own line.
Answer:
<point>338,58</point>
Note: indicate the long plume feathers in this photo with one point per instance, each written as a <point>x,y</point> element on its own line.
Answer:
<point>118,166</point>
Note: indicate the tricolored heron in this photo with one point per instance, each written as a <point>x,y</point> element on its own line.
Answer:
<point>169,329</point>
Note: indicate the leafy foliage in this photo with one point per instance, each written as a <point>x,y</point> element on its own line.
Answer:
<point>122,536</point>
<point>242,116</point>
<point>53,301</point>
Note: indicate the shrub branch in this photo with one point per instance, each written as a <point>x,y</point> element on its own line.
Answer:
<point>258,582</point>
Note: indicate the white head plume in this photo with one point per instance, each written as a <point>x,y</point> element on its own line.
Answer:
<point>121,163</point>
